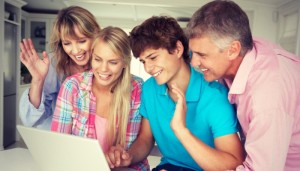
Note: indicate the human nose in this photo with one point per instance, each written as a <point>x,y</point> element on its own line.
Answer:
<point>148,67</point>
<point>195,62</point>
<point>75,49</point>
<point>103,66</point>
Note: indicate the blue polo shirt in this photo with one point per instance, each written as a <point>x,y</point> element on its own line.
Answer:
<point>209,115</point>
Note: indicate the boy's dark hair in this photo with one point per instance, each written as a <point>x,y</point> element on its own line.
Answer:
<point>158,32</point>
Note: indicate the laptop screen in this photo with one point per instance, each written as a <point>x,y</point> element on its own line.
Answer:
<point>54,151</point>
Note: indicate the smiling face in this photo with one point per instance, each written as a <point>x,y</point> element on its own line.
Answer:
<point>160,64</point>
<point>78,49</point>
<point>209,59</point>
<point>107,66</point>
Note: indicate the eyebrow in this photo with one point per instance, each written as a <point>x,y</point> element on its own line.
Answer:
<point>74,38</point>
<point>116,59</point>
<point>148,56</point>
<point>199,53</point>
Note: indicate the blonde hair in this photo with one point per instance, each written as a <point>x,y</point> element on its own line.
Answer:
<point>66,20</point>
<point>119,107</point>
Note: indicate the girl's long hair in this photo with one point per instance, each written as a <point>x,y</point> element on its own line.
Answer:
<point>119,107</point>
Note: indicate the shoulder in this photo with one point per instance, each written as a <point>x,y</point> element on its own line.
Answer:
<point>213,89</point>
<point>75,80</point>
<point>136,84</point>
<point>136,81</point>
<point>217,87</point>
<point>215,94</point>
<point>150,82</point>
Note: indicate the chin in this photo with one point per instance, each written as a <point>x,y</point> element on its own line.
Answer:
<point>82,63</point>
<point>209,79</point>
<point>160,82</point>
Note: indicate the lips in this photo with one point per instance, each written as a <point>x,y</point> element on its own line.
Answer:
<point>157,73</point>
<point>80,57</point>
<point>202,70</point>
<point>104,76</point>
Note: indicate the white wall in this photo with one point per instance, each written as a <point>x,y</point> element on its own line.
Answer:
<point>263,21</point>
<point>284,11</point>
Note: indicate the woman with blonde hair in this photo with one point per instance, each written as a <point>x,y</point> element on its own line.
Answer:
<point>103,103</point>
<point>71,40</point>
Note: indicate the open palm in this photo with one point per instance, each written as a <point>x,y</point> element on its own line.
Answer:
<point>179,118</point>
<point>37,67</point>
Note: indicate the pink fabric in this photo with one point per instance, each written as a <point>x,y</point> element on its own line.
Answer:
<point>101,132</point>
<point>75,110</point>
<point>266,91</point>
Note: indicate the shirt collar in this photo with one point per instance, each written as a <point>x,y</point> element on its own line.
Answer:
<point>238,85</point>
<point>86,83</point>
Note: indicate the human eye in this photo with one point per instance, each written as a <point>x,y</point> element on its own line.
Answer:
<point>82,41</point>
<point>97,58</point>
<point>113,62</point>
<point>152,58</point>
<point>198,54</point>
<point>66,43</point>
<point>142,61</point>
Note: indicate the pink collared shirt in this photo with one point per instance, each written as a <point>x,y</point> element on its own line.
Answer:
<point>266,90</point>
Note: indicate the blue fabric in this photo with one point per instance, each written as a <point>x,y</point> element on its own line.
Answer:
<point>41,117</point>
<point>209,116</point>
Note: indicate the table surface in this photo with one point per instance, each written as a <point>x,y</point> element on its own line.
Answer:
<point>17,159</point>
<point>20,159</point>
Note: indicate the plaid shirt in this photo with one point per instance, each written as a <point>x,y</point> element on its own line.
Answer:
<point>76,109</point>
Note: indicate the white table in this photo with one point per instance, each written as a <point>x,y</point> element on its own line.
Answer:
<point>17,159</point>
<point>20,159</point>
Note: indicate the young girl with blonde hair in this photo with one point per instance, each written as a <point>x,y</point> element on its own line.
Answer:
<point>103,103</point>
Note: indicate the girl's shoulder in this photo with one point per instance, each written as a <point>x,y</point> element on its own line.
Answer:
<point>79,78</point>
<point>136,81</point>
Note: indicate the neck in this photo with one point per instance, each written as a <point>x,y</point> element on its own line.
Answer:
<point>102,89</point>
<point>232,70</point>
<point>182,78</point>
<point>74,68</point>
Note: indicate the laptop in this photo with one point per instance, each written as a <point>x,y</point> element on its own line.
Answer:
<point>54,151</point>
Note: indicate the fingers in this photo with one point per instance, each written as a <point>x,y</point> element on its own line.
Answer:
<point>114,155</point>
<point>45,55</point>
<point>28,49</point>
<point>125,155</point>
<point>109,162</point>
<point>46,58</point>
<point>111,157</point>
<point>31,46</point>
<point>23,54</point>
<point>25,44</point>
<point>118,155</point>
<point>180,95</point>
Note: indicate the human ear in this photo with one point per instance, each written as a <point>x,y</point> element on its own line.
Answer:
<point>179,49</point>
<point>234,50</point>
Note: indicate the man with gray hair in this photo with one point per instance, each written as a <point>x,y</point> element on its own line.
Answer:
<point>263,79</point>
